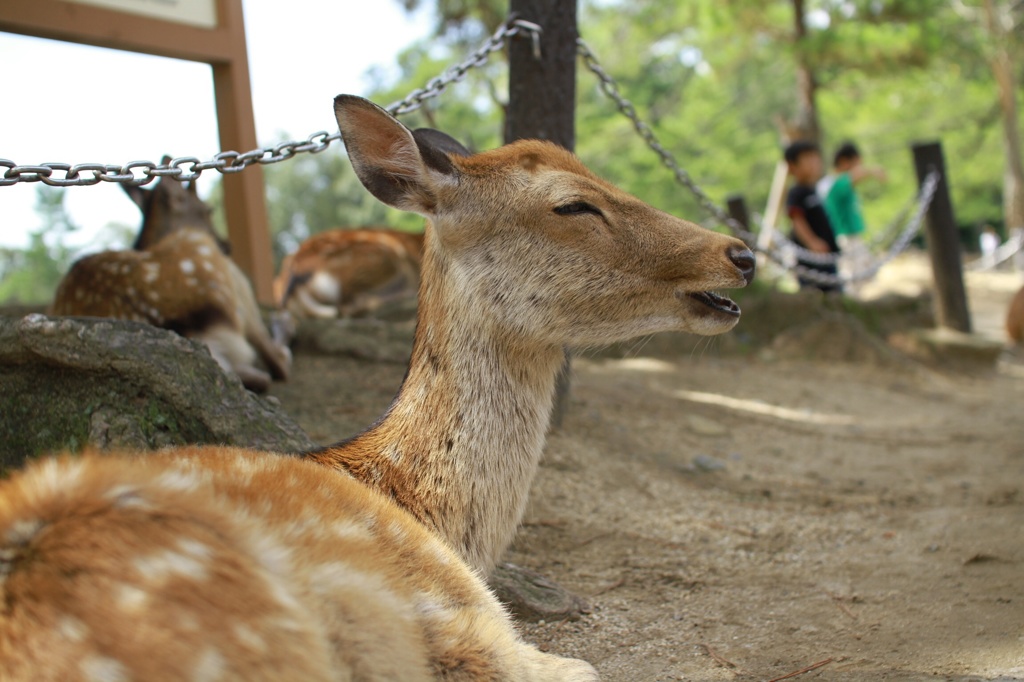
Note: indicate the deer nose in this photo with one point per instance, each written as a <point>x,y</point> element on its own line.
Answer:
<point>743,259</point>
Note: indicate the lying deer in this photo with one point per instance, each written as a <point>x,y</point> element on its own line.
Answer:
<point>178,277</point>
<point>349,272</point>
<point>222,563</point>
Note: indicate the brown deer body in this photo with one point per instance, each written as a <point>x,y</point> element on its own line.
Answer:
<point>346,272</point>
<point>218,562</point>
<point>178,277</point>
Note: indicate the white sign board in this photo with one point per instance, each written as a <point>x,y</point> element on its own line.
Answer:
<point>201,13</point>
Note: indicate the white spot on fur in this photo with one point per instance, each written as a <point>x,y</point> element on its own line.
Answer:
<point>187,266</point>
<point>207,265</point>
<point>442,553</point>
<point>126,497</point>
<point>23,530</point>
<point>72,629</point>
<point>103,669</point>
<point>210,666</point>
<point>397,531</point>
<point>349,529</point>
<point>131,599</point>
<point>195,548</point>
<point>249,638</point>
<point>325,287</point>
<point>394,454</point>
<point>162,565</point>
<point>274,556</point>
<point>150,272</point>
<point>431,608</point>
<point>203,250</point>
<point>177,480</point>
<point>153,295</point>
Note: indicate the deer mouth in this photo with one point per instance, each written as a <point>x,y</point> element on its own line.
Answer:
<point>716,302</point>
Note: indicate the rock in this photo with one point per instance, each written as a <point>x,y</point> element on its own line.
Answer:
<point>362,338</point>
<point>71,382</point>
<point>835,337</point>
<point>708,463</point>
<point>531,597</point>
<point>950,348</point>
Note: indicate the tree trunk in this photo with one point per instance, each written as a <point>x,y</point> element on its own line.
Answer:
<point>1002,69</point>
<point>542,92</point>
<point>805,126</point>
<point>542,100</point>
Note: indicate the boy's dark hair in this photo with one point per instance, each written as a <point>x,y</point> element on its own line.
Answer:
<point>795,150</point>
<point>847,152</point>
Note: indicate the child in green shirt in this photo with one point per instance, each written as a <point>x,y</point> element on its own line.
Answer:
<point>842,203</point>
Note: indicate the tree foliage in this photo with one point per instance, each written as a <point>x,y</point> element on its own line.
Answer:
<point>30,276</point>
<point>714,77</point>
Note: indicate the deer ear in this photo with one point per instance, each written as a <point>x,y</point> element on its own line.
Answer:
<point>137,194</point>
<point>395,166</point>
<point>440,141</point>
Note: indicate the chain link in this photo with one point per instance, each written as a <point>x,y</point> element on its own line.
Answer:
<point>188,168</point>
<point>436,86</point>
<point>789,254</point>
<point>1003,253</point>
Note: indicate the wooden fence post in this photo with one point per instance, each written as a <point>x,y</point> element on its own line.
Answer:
<point>739,212</point>
<point>542,101</point>
<point>943,242</point>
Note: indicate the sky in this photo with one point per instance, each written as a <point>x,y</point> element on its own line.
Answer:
<point>78,104</point>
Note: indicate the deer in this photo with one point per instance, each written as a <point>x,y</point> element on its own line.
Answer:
<point>349,272</point>
<point>179,276</point>
<point>365,559</point>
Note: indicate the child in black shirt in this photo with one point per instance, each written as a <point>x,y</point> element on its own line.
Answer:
<point>811,227</point>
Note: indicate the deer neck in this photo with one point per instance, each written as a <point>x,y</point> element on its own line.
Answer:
<point>460,445</point>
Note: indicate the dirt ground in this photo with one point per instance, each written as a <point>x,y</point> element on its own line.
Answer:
<point>744,518</point>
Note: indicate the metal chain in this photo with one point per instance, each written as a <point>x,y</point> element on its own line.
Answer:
<point>789,251</point>
<point>1003,253</point>
<point>436,86</point>
<point>187,168</point>
<point>611,89</point>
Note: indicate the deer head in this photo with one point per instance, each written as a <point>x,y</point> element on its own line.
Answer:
<point>539,245</point>
<point>168,207</point>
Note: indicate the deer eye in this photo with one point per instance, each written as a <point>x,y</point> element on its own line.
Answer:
<point>577,208</point>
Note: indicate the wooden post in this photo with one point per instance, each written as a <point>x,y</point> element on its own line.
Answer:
<point>245,205</point>
<point>776,200</point>
<point>943,242</point>
<point>739,212</point>
<point>542,101</point>
<point>542,92</point>
<point>223,47</point>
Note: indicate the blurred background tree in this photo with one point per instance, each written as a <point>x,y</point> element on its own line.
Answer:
<point>721,82</point>
<point>30,276</point>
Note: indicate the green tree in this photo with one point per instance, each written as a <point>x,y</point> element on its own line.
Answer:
<point>311,193</point>
<point>713,78</point>
<point>30,276</point>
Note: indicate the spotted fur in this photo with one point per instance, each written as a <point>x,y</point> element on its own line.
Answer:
<point>347,272</point>
<point>219,563</point>
<point>178,277</point>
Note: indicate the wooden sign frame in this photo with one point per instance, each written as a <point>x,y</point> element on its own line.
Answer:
<point>223,48</point>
